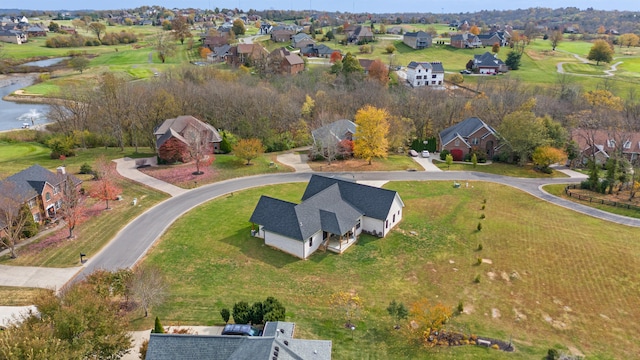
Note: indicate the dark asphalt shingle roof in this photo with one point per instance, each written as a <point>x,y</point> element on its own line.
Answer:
<point>335,131</point>
<point>30,182</point>
<point>487,59</point>
<point>463,129</point>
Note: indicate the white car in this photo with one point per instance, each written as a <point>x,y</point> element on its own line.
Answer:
<point>425,153</point>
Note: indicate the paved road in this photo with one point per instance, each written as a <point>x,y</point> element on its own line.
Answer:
<point>133,241</point>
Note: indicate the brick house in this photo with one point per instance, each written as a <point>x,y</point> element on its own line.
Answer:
<point>465,41</point>
<point>40,189</point>
<point>175,133</point>
<point>472,133</point>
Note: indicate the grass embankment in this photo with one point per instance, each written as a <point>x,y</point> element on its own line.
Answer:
<point>18,296</point>
<point>526,171</point>
<point>558,190</point>
<point>391,163</point>
<point>577,289</point>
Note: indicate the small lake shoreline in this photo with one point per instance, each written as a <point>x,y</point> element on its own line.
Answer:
<point>19,96</point>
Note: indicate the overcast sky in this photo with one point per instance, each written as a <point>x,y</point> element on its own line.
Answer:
<point>375,6</point>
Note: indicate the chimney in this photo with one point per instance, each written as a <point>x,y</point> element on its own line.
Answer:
<point>61,170</point>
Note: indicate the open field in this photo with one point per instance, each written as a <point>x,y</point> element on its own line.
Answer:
<point>576,289</point>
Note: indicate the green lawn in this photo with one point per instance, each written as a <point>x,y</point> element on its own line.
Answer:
<point>558,190</point>
<point>577,287</point>
<point>498,169</point>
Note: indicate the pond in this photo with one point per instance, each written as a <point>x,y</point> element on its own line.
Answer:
<point>46,62</point>
<point>15,115</point>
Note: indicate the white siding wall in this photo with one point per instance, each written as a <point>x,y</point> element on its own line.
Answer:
<point>412,76</point>
<point>370,224</point>
<point>396,209</point>
<point>292,246</point>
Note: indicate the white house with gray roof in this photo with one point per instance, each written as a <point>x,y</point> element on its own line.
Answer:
<point>332,214</point>
<point>425,74</point>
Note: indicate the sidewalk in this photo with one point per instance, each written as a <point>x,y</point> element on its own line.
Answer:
<point>127,168</point>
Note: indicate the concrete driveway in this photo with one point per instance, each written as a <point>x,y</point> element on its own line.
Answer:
<point>426,163</point>
<point>37,277</point>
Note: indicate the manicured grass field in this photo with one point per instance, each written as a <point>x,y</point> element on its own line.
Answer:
<point>18,296</point>
<point>526,171</point>
<point>555,278</point>
<point>391,163</point>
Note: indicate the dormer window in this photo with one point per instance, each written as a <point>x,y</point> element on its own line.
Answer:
<point>47,196</point>
<point>627,144</point>
<point>611,143</point>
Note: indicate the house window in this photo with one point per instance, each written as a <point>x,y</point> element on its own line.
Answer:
<point>58,204</point>
<point>32,203</point>
<point>394,217</point>
<point>47,196</point>
<point>433,76</point>
<point>475,141</point>
<point>310,241</point>
<point>386,225</point>
<point>419,77</point>
<point>627,144</point>
<point>358,224</point>
<point>56,189</point>
<point>611,143</point>
<point>36,217</point>
<point>456,143</point>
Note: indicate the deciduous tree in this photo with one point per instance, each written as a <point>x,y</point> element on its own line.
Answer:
<point>164,46</point>
<point>522,132</point>
<point>198,147</point>
<point>544,156</point>
<point>371,133</point>
<point>79,63</point>
<point>347,304</point>
<point>12,218</point>
<point>148,287</point>
<point>72,208</point>
<point>97,28</point>
<point>600,51</point>
<point>555,38</point>
<point>248,149</point>
<point>180,28</point>
<point>629,40</point>
<point>475,30</point>
<point>379,72</point>
<point>335,56</point>
<point>401,130</point>
<point>495,48</point>
<point>105,187</point>
<point>424,315</point>
<point>238,27</point>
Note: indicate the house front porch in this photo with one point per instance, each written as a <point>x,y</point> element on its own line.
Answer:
<point>339,244</point>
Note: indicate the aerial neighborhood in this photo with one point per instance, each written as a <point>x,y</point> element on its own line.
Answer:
<point>191,183</point>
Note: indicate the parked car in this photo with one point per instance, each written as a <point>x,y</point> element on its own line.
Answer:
<point>413,153</point>
<point>241,329</point>
<point>467,72</point>
<point>425,153</point>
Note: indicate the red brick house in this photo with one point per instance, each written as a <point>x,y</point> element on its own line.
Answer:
<point>600,144</point>
<point>40,189</point>
<point>174,134</point>
<point>285,62</point>
<point>471,133</point>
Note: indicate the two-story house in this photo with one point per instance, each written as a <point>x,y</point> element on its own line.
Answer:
<point>472,133</point>
<point>40,189</point>
<point>425,74</point>
<point>417,40</point>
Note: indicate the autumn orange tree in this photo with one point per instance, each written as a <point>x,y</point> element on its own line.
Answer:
<point>105,187</point>
<point>248,149</point>
<point>379,72</point>
<point>371,133</point>
<point>475,30</point>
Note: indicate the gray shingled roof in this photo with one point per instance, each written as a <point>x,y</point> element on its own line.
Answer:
<point>336,130</point>
<point>463,129</point>
<point>30,182</point>
<point>417,34</point>
<point>197,347</point>
<point>180,123</point>
<point>487,59</point>
<point>435,66</point>
<point>277,216</point>
<point>372,201</point>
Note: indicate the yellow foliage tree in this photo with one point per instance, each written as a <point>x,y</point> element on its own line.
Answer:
<point>248,149</point>
<point>544,156</point>
<point>371,134</point>
<point>604,99</point>
<point>348,304</point>
<point>425,317</point>
<point>475,30</point>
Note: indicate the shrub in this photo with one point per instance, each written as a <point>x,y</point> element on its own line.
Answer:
<point>477,279</point>
<point>479,261</point>
<point>61,145</point>
<point>241,312</point>
<point>225,315</point>
<point>483,207</point>
<point>444,153</point>
<point>482,216</point>
<point>158,329</point>
<point>479,226</point>
<point>86,169</point>
<point>143,349</point>
<point>460,307</point>
<point>479,247</point>
<point>257,313</point>
<point>495,346</point>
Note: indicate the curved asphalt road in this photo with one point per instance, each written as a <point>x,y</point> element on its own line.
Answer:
<point>135,239</point>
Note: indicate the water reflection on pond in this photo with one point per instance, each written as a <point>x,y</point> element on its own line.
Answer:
<point>15,115</point>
